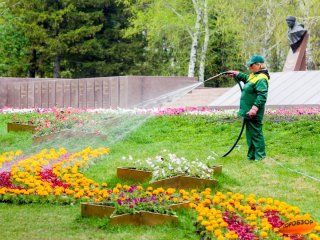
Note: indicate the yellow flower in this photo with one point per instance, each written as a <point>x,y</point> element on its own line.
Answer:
<point>185,198</point>
<point>192,205</point>
<point>209,228</point>
<point>171,191</point>
<point>313,236</point>
<point>224,224</point>
<point>217,233</point>
<point>199,218</point>
<point>115,190</point>
<point>263,234</point>
<point>205,223</point>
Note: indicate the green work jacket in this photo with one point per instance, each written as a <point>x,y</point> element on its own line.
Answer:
<point>255,92</point>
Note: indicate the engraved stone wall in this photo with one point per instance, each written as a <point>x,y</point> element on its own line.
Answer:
<point>104,92</point>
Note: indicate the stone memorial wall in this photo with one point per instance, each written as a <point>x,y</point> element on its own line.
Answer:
<point>104,92</point>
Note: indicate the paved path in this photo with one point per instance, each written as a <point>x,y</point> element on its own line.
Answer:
<point>198,97</point>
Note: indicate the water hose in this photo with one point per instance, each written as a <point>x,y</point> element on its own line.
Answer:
<point>243,120</point>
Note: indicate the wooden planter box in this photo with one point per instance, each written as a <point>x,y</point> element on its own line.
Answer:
<point>133,174</point>
<point>18,127</point>
<point>65,134</point>
<point>143,218</point>
<point>182,205</point>
<point>217,169</point>
<point>184,182</point>
<point>96,210</point>
<point>103,210</point>
<point>127,173</point>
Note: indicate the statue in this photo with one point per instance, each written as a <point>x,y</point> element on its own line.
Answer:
<point>296,32</point>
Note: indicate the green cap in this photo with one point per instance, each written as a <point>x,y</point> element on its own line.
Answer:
<point>256,59</point>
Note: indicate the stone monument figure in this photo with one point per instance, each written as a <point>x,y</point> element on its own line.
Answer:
<point>296,32</point>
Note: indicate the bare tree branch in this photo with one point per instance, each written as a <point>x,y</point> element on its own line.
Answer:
<point>181,17</point>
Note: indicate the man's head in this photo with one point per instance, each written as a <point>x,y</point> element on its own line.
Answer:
<point>290,21</point>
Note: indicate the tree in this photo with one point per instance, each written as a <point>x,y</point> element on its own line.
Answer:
<point>183,30</point>
<point>112,55</point>
<point>13,46</point>
<point>54,29</point>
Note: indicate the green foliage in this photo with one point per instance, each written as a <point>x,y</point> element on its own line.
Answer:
<point>292,143</point>
<point>143,37</point>
<point>111,54</point>
<point>13,46</point>
<point>56,28</point>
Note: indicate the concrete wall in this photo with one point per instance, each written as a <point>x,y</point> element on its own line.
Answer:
<point>104,92</point>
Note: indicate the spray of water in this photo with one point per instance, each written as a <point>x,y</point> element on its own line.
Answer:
<point>166,98</point>
<point>105,128</point>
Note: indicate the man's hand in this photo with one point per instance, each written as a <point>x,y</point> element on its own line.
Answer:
<point>253,112</point>
<point>232,73</point>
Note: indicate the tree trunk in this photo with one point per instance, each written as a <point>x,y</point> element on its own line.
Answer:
<point>205,42</point>
<point>33,65</point>
<point>195,38</point>
<point>57,63</point>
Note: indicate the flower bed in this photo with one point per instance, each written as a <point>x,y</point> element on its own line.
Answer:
<point>54,176</point>
<point>170,166</point>
<point>136,206</point>
<point>171,171</point>
<point>232,216</point>
<point>56,120</point>
<point>50,176</point>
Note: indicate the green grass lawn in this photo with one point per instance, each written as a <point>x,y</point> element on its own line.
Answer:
<point>291,145</point>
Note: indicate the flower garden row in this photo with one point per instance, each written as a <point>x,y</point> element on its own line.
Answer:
<point>206,110</point>
<point>57,176</point>
<point>45,123</point>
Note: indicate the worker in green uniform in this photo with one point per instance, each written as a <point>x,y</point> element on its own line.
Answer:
<point>252,104</point>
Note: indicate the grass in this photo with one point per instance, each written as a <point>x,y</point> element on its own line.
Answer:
<point>290,145</point>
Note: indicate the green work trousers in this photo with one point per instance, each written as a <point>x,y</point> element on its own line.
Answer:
<point>255,140</point>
